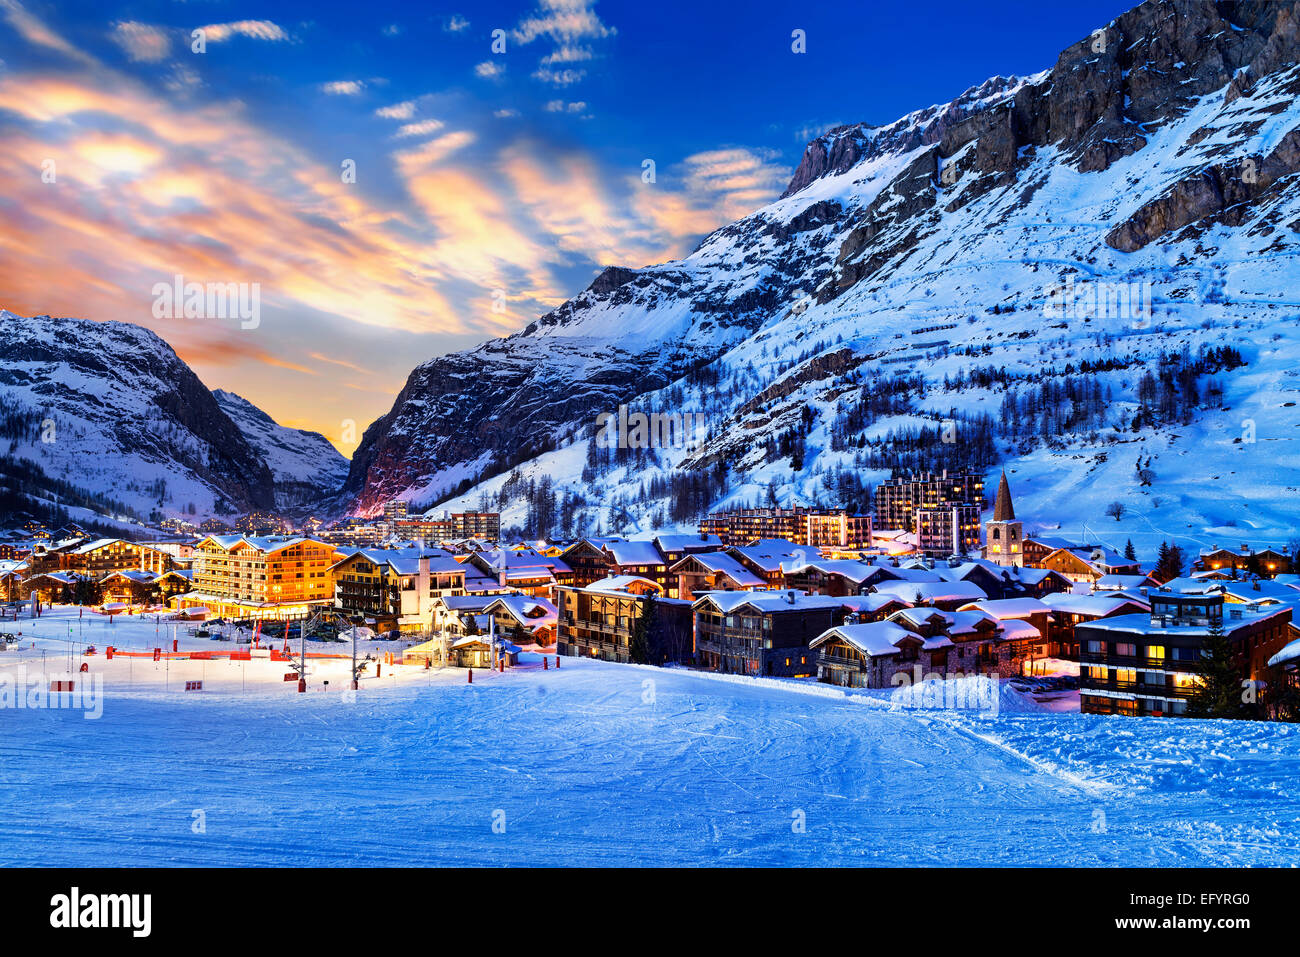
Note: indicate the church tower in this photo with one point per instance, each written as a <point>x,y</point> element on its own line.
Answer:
<point>1003,538</point>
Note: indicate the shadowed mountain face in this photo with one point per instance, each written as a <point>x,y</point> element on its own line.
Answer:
<point>105,415</point>
<point>305,467</point>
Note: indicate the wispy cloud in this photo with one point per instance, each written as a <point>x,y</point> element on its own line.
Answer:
<point>398,111</point>
<point>564,22</point>
<point>489,69</point>
<point>252,29</point>
<point>343,87</point>
<point>142,42</point>
<point>559,77</point>
<point>420,128</point>
<point>560,106</point>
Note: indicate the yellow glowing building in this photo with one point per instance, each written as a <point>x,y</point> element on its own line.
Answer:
<point>244,576</point>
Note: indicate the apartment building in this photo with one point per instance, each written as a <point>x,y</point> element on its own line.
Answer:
<point>948,530</point>
<point>763,632</point>
<point>597,620</point>
<point>1147,664</point>
<point>395,588</point>
<point>241,576</point>
<point>899,499</point>
<point>803,526</point>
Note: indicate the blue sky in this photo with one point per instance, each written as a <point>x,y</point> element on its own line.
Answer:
<point>489,186</point>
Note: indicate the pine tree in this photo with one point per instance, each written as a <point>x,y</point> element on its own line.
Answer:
<point>638,645</point>
<point>1129,552</point>
<point>1218,695</point>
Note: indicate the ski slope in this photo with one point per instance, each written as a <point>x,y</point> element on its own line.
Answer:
<point>605,764</point>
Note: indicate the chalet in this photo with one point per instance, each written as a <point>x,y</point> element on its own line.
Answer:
<point>588,561</point>
<point>834,576</point>
<point>461,614</point>
<point>11,580</point>
<point>712,571</point>
<point>762,632</point>
<point>765,558</point>
<point>1089,564</point>
<point>1069,611</point>
<point>1264,562</point>
<point>641,560</point>
<point>54,587</point>
<point>524,619</point>
<point>598,620</point>
<point>394,588</point>
<point>1035,548</point>
<point>870,655</point>
<point>524,570</point>
<point>95,559</point>
<point>980,643</point>
<point>676,547</point>
<point>1287,661</point>
<point>1004,610</point>
<point>143,588</point>
<point>999,581</point>
<point>1148,664</point>
<point>944,595</point>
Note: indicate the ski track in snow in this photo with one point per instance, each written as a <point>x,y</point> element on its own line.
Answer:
<point>587,772</point>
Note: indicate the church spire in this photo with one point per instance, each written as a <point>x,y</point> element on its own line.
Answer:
<point>1002,510</point>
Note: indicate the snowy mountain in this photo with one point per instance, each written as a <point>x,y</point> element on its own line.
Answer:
<point>105,421</point>
<point>305,467</point>
<point>1042,273</point>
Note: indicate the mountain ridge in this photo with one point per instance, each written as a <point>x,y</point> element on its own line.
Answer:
<point>919,249</point>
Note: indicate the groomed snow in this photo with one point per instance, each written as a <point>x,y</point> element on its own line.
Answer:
<point>601,764</point>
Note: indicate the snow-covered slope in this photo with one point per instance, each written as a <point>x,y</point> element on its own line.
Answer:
<point>305,466</point>
<point>106,412</point>
<point>103,422</point>
<point>917,274</point>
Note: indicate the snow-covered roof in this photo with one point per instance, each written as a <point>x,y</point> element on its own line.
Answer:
<point>1004,609</point>
<point>766,601</point>
<point>1188,586</point>
<point>725,564</point>
<point>634,553</point>
<point>933,591</point>
<point>1260,591</point>
<point>677,543</point>
<point>769,553</point>
<point>1119,582</point>
<point>95,545</point>
<point>914,573</point>
<point>1142,624</point>
<point>621,585</point>
<point>466,602</point>
<point>1014,629</point>
<point>1289,652</point>
<point>854,571</point>
<point>533,613</point>
<point>874,639</point>
<point>1098,605</point>
<point>139,577</point>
